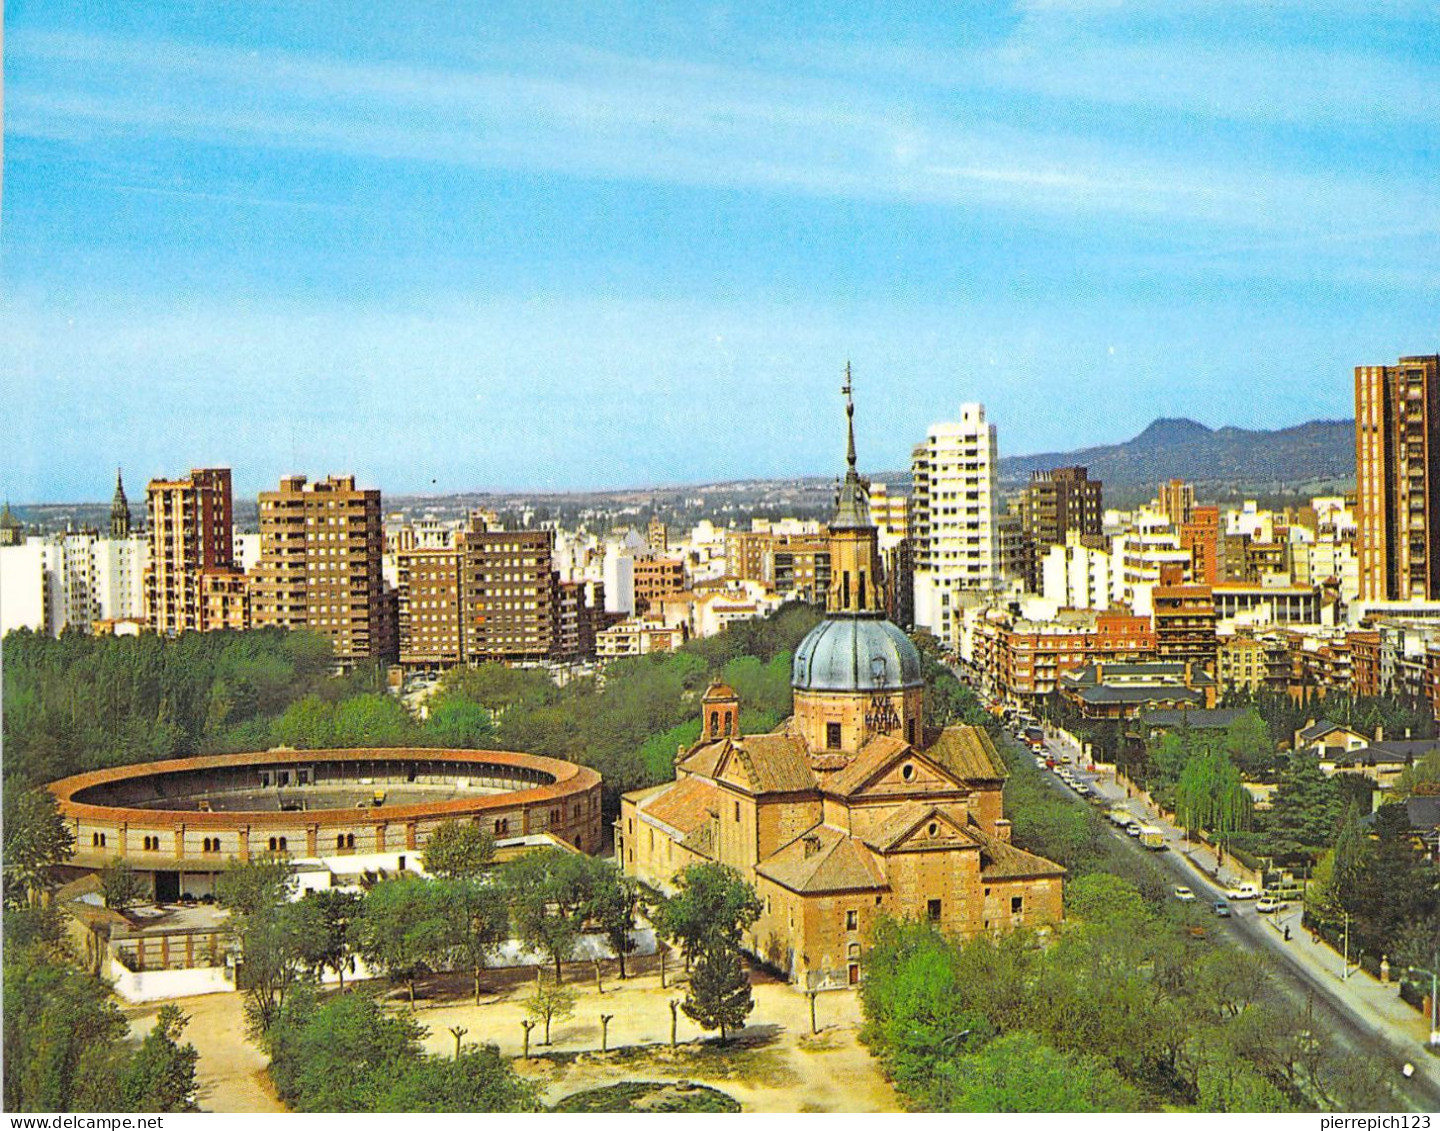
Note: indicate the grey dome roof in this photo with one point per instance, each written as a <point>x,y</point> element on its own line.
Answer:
<point>855,653</point>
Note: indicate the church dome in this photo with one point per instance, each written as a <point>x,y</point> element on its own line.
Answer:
<point>856,654</point>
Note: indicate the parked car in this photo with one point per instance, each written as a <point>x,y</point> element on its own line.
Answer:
<point>1222,909</point>
<point>1184,895</point>
<point>1268,903</point>
<point>1040,764</point>
<point>1243,891</point>
<point>1133,829</point>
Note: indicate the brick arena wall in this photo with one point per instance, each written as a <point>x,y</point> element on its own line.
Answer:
<point>539,795</point>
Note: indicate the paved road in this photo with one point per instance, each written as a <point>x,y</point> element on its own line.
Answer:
<point>1302,976</point>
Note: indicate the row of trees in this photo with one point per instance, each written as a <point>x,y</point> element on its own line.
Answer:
<point>1125,1011</point>
<point>83,702</point>
<point>67,1045</point>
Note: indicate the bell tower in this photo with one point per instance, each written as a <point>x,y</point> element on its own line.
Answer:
<point>855,582</point>
<point>119,510</point>
<point>719,713</point>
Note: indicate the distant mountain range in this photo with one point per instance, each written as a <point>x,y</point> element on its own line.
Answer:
<point>1321,452</point>
<point>1225,464</point>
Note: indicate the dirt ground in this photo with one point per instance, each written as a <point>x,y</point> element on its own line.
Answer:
<point>773,1065</point>
<point>231,1070</point>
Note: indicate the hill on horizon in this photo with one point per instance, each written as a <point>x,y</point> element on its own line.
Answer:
<point>1319,451</point>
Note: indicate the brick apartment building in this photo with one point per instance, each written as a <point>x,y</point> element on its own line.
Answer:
<point>191,584</point>
<point>1397,467</point>
<point>319,567</point>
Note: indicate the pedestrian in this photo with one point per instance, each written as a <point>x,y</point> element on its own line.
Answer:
<point>1287,933</point>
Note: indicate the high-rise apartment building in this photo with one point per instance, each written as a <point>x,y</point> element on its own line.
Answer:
<point>431,615</point>
<point>190,536</point>
<point>510,593</point>
<point>1397,467</point>
<point>655,579</point>
<point>1053,504</point>
<point>1176,501</point>
<point>1202,536</point>
<point>319,568</point>
<point>953,519</point>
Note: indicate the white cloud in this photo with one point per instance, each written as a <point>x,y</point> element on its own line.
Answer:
<point>582,112</point>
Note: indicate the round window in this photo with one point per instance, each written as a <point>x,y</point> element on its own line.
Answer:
<point>907,771</point>
<point>934,829</point>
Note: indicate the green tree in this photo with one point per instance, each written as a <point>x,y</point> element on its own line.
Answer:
<point>916,1006</point>
<point>550,894</point>
<point>1249,745</point>
<point>269,928</point>
<point>478,916</point>
<point>161,1077</point>
<point>1101,897</point>
<point>459,723</point>
<point>550,1001</point>
<point>613,904</point>
<point>62,1034</point>
<point>1304,813</point>
<point>403,931</point>
<point>480,1079</point>
<point>307,725</point>
<point>121,887</point>
<point>322,924</point>
<point>711,908</point>
<point>718,995</point>
<point>458,850</point>
<point>36,839</point>
<point>1020,1073</point>
<point>373,720</point>
<point>1210,795</point>
<point>342,1055</point>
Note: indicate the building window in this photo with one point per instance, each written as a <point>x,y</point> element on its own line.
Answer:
<point>832,736</point>
<point>502,826</point>
<point>932,910</point>
<point>737,810</point>
<point>852,920</point>
<point>1016,903</point>
<point>907,771</point>
<point>97,840</point>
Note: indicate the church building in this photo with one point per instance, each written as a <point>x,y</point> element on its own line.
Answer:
<point>852,808</point>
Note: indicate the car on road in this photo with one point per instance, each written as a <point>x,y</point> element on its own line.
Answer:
<point>1040,763</point>
<point>1268,903</point>
<point>1133,829</point>
<point>1243,891</point>
<point>1222,909</point>
<point>1184,895</point>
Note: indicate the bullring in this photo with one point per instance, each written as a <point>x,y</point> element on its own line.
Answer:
<point>179,822</point>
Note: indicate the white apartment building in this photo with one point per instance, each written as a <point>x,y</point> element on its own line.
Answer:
<point>953,519</point>
<point>1076,576</point>
<point>71,580</point>
<point>1149,544</point>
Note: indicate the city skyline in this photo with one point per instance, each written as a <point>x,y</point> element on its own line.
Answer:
<point>550,252</point>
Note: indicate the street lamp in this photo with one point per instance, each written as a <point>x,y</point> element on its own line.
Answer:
<point>1434,1016</point>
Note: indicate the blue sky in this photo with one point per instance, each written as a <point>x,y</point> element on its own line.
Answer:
<point>454,247</point>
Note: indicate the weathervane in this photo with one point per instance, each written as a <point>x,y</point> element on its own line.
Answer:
<point>847,389</point>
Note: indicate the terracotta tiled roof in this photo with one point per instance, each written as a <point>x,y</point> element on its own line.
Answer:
<point>824,859</point>
<point>1002,861</point>
<point>685,806</point>
<point>704,838</point>
<point>872,758</point>
<point>775,763</point>
<point>703,759</point>
<point>900,824</point>
<point>967,752</point>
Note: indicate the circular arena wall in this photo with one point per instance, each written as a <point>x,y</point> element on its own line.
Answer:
<point>193,816</point>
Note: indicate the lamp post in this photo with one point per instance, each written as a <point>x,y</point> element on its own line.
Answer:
<point>1434,1015</point>
<point>1345,973</point>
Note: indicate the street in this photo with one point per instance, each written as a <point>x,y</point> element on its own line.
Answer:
<point>1362,1015</point>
